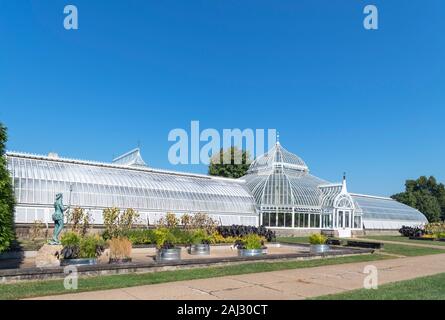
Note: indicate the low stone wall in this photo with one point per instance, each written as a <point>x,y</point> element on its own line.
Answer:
<point>294,232</point>
<point>33,274</point>
<point>378,232</point>
<point>331,233</point>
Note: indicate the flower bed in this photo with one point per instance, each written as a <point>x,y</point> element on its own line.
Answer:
<point>81,250</point>
<point>431,231</point>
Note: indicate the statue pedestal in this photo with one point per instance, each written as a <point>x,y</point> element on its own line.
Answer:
<point>46,256</point>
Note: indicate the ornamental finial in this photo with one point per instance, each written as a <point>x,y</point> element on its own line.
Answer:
<point>344,188</point>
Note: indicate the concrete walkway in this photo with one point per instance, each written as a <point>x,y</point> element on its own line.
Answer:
<point>276,285</point>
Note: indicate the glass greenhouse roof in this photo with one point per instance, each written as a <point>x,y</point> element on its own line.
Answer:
<point>278,156</point>
<point>386,213</point>
<point>131,158</point>
<point>99,185</point>
<point>285,187</point>
<point>278,180</point>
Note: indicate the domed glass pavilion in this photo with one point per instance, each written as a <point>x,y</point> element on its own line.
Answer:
<point>287,195</point>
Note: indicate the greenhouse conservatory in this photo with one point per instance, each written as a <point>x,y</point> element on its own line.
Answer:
<point>278,191</point>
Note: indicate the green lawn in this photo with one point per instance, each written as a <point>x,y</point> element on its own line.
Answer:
<point>426,288</point>
<point>404,239</point>
<point>52,287</point>
<point>409,251</point>
<point>294,239</point>
<point>397,249</point>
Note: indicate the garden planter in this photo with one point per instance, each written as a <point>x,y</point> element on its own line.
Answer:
<point>251,252</point>
<point>199,249</point>
<point>79,262</point>
<point>168,254</point>
<point>319,248</point>
<point>119,261</point>
<point>365,244</point>
<point>422,238</point>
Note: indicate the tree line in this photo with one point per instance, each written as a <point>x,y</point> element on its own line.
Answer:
<point>426,195</point>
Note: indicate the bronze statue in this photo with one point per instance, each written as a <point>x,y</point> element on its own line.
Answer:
<point>58,218</point>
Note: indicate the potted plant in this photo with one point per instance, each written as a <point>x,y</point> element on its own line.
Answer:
<point>199,243</point>
<point>79,250</point>
<point>165,245</point>
<point>318,243</point>
<point>120,250</point>
<point>250,246</point>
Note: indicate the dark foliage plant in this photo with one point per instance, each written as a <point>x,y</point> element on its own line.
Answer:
<point>70,252</point>
<point>243,231</point>
<point>77,247</point>
<point>412,231</point>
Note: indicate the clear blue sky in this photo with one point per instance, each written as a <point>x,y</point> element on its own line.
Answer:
<point>371,103</point>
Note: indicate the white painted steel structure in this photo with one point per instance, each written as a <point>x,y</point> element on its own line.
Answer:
<point>288,196</point>
<point>126,183</point>
<point>277,191</point>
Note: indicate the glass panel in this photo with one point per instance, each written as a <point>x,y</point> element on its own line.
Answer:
<point>357,222</point>
<point>280,219</point>
<point>316,221</point>
<point>296,220</point>
<point>273,219</point>
<point>306,220</point>
<point>340,219</point>
<point>288,220</point>
<point>266,219</point>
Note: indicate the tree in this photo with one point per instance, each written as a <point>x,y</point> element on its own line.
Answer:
<point>232,163</point>
<point>426,195</point>
<point>7,200</point>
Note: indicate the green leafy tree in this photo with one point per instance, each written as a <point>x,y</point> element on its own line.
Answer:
<point>426,195</point>
<point>231,163</point>
<point>7,200</point>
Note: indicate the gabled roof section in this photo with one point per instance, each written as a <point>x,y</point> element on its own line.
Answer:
<point>131,158</point>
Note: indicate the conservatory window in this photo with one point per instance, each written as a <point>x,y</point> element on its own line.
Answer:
<point>288,220</point>
<point>347,214</point>
<point>357,222</point>
<point>280,219</point>
<point>316,221</point>
<point>266,221</point>
<point>296,220</point>
<point>325,221</point>
<point>340,219</point>
<point>273,220</point>
<point>303,220</point>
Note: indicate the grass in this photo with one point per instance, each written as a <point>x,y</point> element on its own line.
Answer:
<point>409,251</point>
<point>54,287</point>
<point>389,248</point>
<point>294,239</point>
<point>425,288</point>
<point>405,240</point>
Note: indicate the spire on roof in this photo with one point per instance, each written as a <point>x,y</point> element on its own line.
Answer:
<point>344,188</point>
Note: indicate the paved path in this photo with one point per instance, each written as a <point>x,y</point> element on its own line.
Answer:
<point>277,285</point>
